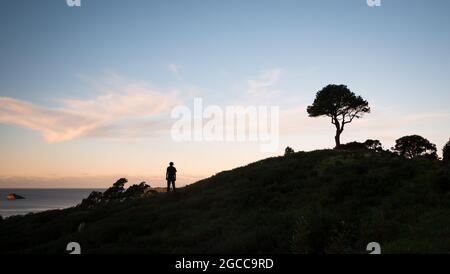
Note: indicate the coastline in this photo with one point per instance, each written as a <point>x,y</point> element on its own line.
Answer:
<point>40,199</point>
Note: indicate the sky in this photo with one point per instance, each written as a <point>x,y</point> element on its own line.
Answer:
<point>86,93</point>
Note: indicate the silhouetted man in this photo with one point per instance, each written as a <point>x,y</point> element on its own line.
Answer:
<point>171,176</point>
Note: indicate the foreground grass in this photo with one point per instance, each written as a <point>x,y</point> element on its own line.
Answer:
<point>316,202</point>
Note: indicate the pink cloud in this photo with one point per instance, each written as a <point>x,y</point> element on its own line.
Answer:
<point>76,118</point>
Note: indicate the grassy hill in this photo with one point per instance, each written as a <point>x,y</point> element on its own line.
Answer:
<point>316,202</point>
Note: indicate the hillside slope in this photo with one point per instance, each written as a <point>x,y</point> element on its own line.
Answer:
<point>315,202</point>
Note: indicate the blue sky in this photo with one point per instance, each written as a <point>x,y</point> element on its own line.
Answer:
<point>396,56</point>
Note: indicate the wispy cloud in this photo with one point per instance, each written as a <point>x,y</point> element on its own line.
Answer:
<point>264,84</point>
<point>97,116</point>
<point>174,68</point>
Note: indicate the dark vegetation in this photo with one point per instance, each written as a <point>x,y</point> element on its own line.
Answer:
<point>373,145</point>
<point>329,201</point>
<point>288,151</point>
<point>446,152</point>
<point>117,194</point>
<point>415,146</point>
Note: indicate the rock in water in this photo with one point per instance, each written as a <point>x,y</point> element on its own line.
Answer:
<point>13,196</point>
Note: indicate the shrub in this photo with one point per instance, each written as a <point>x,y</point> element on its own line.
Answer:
<point>446,152</point>
<point>136,191</point>
<point>93,199</point>
<point>353,146</point>
<point>442,181</point>
<point>321,230</point>
<point>415,146</point>
<point>373,145</point>
<point>116,190</point>
<point>288,151</point>
<point>115,193</point>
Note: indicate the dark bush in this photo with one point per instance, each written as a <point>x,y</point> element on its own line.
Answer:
<point>353,146</point>
<point>136,191</point>
<point>373,145</point>
<point>322,231</point>
<point>442,181</point>
<point>92,200</point>
<point>446,152</point>
<point>116,190</point>
<point>415,146</point>
<point>116,193</point>
<point>288,151</point>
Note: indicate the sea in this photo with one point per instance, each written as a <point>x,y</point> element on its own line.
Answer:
<point>37,200</point>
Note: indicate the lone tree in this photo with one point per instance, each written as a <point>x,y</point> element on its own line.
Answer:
<point>446,152</point>
<point>415,146</point>
<point>341,105</point>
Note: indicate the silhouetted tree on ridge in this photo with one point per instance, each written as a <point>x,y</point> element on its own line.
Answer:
<point>116,189</point>
<point>341,105</point>
<point>117,193</point>
<point>374,145</point>
<point>446,152</point>
<point>137,190</point>
<point>288,151</point>
<point>415,146</point>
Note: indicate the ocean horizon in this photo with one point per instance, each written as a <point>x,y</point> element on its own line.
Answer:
<point>41,199</point>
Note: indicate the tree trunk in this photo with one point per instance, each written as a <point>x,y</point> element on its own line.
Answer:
<point>339,129</point>
<point>337,139</point>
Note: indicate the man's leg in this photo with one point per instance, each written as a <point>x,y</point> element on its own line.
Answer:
<point>173,185</point>
<point>168,185</point>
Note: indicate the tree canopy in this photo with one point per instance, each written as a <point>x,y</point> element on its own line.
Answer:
<point>415,146</point>
<point>116,189</point>
<point>288,151</point>
<point>446,152</point>
<point>117,193</point>
<point>373,145</point>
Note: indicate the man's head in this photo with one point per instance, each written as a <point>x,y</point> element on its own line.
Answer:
<point>171,163</point>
